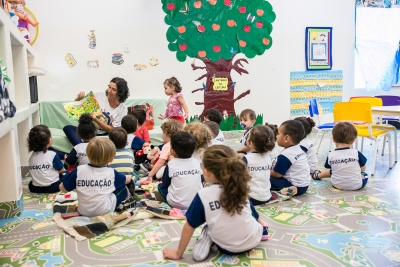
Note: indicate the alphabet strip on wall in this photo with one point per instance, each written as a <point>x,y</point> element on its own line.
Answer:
<point>325,86</point>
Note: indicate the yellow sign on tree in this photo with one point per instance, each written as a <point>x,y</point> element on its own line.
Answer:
<point>220,84</point>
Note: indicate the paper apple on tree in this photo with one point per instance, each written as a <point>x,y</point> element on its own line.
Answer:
<point>171,6</point>
<point>242,9</point>
<point>201,28</point>
<point>182,47</point>
<point>197,4</point>
<point>228,2</point>
<point>181,29</point>
<point>216,48</point>
<point>231,23</point>
<point>246,28</point>
<point>215,27</point>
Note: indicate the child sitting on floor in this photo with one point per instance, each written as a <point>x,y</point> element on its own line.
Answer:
<point>123,160</point>
<point>142,132</point>
<point>233,224</point>
<point>169,128</point>
<point>100,189</point>
<point>247,119</point>
<point>261,140</point>
<point>347,165</point>
<point>182,175</point>
<point>86,131</point>
<point>306,143</point>
<point>275,152</point>
<point>215,116</point>
<point>134,143</point>
<point>203,138</point>
<point>45,167</point>
<point>291,169</point>
<point>214,128</point>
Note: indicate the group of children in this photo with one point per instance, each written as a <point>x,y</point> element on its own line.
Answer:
<point>197,171</point>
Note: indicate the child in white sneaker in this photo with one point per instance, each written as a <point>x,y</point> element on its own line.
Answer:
<point>232,222</point>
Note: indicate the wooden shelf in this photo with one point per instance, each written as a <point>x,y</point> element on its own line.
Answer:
<point>17,54</point>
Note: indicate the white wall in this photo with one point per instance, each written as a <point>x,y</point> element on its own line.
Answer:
<point>64,26</point>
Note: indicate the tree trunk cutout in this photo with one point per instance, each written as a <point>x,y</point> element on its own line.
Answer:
<point>224,101</point>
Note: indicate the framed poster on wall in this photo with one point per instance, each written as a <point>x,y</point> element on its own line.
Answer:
<point>318,48</point>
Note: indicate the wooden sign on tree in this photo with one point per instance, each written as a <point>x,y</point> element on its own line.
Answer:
<point>214,31</point>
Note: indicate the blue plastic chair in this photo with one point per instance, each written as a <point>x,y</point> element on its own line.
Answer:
<point>321,128</point>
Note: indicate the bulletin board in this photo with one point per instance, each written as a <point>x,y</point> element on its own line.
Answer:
<point>318,48</point>
<point>325,86</point>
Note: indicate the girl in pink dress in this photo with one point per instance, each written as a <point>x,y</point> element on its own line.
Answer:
<point>176,103</point>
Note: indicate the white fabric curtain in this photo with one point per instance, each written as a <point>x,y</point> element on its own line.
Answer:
<point>377,42</point>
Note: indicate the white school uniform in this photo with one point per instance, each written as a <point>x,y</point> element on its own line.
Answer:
<point>220,137</point>
<point>97,188</point>
<point>293,165</point>
<point>311,153</point>
<point>345,165</point>
<point>44,167</point>
<point>183,179</point>
<point>259,166</point>
<point>236,233</point>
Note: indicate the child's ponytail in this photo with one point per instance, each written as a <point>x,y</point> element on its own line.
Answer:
<point>308,124</point>
<point>232,174</point>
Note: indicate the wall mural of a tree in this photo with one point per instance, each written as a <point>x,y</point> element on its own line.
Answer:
<point>214,31</point>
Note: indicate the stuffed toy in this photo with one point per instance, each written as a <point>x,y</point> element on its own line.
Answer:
<point>147,156</point>
<point>154,154</point>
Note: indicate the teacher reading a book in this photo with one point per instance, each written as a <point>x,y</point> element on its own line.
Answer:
<point>112,107</point>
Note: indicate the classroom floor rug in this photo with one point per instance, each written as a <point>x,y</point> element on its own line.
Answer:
<point>324,227</point>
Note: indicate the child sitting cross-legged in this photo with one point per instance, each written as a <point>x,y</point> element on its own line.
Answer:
<point>214,128</point>
<point>203,138</point>
<point>123,160</point>
<point>347,165</point>
<point>45,167</point>
<point>291,169</point>
<point>182,175</point>
<point>261,140</point>
<point>247,119</point>
<point>275,152</point>
<point>142,132</point>
<point>307,145</point>
<point>134,143</point>
<point>86,131</point>
<point>100,188</point>
<point>215,116</point>
<point>169,128</point>
<point>233,224</point>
